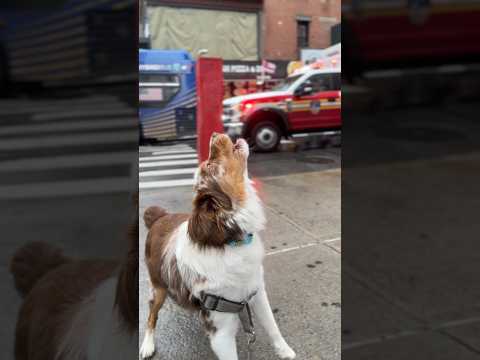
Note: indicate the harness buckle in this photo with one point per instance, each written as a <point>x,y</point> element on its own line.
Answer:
<point>210,302</point>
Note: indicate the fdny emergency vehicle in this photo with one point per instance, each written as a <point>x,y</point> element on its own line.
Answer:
<point>400,34</point>
<point>307,101</point>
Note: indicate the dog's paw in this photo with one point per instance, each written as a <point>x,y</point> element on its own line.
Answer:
<point>148,346</point>
<point>285,352</point>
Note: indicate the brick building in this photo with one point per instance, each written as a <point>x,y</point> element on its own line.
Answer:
<point>229,29</point>
<point>241,29</point>
<point>289,25</point>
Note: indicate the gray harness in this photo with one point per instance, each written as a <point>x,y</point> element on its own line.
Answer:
<point>216,303</point>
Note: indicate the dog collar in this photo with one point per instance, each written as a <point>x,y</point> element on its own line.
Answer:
<point>247,239</point>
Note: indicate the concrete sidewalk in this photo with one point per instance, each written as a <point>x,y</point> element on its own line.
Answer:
<point>301,192</point>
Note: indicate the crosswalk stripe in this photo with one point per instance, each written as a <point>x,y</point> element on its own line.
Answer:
<point>166,183</point>
<point>167,163</point>
<point>157,150</point>
<point>51,141</point>
<point>167,166</point>
<point>63,188</point>
<point>68,161</point>
<point>42,104</point>
<point>36,110</point>
<point>69,140</point>
<point>168,172</point>
<point>56,115</point>
<point>169,157</point>
<point>82,100</point>
<point>179,151</point>
<point>77,125</point>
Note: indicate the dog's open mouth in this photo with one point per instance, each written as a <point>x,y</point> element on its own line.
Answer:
<point>241,146</point>
<point>221,145</point>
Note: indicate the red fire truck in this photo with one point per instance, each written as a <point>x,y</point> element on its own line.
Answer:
<point>307,101</point>
<point>408,34</point>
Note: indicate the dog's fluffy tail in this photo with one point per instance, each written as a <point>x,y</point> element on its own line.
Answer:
<point>32,261</point>
<point>152,214</point>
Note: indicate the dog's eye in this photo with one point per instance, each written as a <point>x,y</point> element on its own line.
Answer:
<point>211,167</point>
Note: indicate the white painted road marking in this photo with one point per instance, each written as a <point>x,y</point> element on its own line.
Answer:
<point>166,183</point>
<point>170,157</point>
<point>82,112</point>
<point>70,150</point>
<point>68,161</point>
<point>281,251</point>
<point>293,248</point>
<point>180,151</point>
<point>63,188</point>
<point>74,125</point>
<point>168,172</point>
<point>69,140</point>
<point>167,166</point>
<point>167,163</point>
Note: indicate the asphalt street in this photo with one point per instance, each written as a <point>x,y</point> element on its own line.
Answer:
<point>412,286</point>
<point>301,193</point>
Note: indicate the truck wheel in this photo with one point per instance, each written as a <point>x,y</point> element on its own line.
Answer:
<point>266,136</point>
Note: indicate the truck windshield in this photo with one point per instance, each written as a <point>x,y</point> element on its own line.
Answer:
<point>284,85</point>
<point>156,90</point>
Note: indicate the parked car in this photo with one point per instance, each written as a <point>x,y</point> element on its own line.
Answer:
<point>305,102</point>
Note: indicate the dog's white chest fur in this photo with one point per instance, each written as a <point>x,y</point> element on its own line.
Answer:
<point>233,273</point>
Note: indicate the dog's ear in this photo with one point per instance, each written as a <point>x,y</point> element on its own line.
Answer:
<point>211,224</point>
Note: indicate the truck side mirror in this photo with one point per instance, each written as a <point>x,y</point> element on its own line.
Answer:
<point>307,90</point>
<point>303,90</point>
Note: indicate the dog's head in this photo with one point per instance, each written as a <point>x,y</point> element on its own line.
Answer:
<point>222,191</point>
<point>225,167</point>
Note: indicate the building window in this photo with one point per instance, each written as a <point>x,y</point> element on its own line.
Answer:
<point>303,33</point>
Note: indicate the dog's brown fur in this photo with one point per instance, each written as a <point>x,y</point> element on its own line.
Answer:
<point>157,241</point>
<point>51,304</point>
<point>221,186</point>
<point>208,225</point>
<point>53,287</point>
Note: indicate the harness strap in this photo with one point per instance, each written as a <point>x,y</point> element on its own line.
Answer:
<point>217,303</point>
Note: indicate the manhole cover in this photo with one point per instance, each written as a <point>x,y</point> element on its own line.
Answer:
<point>316,159</point>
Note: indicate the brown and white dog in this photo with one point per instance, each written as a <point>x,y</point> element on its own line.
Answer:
<point>76,309</point>
<point>188,255</point>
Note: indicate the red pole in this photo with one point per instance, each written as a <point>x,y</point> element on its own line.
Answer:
<point>209,78</point>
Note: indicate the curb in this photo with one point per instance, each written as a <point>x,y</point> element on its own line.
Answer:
<point>300,142</point>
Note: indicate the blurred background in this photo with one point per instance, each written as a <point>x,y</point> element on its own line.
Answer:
<point>410,151</point>
<point>68,132</point>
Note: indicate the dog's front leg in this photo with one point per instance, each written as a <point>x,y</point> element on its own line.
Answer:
<point>222,329</point>
<point>261,308</point>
